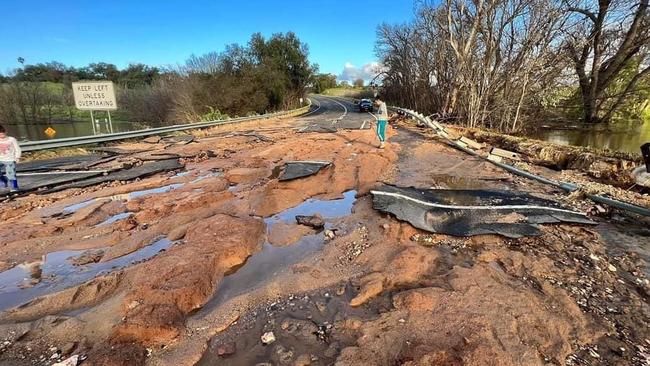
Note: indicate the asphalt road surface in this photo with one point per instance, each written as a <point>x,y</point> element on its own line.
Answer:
<point>338,113</point>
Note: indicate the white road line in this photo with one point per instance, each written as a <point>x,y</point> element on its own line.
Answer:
<point>315,110</point>
<point>370,113</point>
<point>503,207</point>
<point>345,109</point>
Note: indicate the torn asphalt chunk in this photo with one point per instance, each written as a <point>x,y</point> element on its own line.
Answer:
<point>301,169</point>
<point>473,212</point>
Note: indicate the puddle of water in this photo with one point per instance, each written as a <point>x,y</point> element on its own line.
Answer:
<point>115,218</point>
<point>210,175</point>
<point>303,323</point>
<point>327,209</point>
<point>181,174</point>
<point>261,267</point>
<point>266,264</point>
<point>146,192</point>
<point>451,182</point>
<point>77,206</point>
<point>56,273</point>
<point>68,210</point>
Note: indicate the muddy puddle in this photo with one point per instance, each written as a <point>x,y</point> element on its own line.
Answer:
<point>68,210</point>
<point>453,182</point>
<point>181,174</point>
<point>271,260</point>
<point>327,208</point>
<point>71,209</point>
<point>206,176</point>
<point>55,272</point>
<point>115,218</point>
<point>308,326</point>
<point>159,190</point>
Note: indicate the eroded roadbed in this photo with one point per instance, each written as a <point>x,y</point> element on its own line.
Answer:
<point>274,249</point>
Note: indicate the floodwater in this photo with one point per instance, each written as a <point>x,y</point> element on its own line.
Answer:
<point>271,260</point>
<point>623,136</point>
<point>55,272</point>
<point>115,218</point>
<point>35,132</point>
<point>68,210</point>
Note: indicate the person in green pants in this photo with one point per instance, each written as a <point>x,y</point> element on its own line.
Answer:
<point>382,121</point>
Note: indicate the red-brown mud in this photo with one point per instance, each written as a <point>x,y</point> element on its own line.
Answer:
<point>367,290</point>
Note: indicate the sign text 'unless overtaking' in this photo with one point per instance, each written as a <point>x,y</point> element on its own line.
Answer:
<point>94,95</point>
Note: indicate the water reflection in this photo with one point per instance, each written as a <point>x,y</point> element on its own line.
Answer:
<point>34,132</point>
<point>625,137</point>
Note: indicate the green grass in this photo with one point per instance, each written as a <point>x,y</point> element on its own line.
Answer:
<point>350,92</point>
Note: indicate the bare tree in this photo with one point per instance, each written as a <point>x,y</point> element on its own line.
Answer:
<point>473,61</point>
<point>604,38</point>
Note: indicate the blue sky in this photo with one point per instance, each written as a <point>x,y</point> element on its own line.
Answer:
<point>166,32</point>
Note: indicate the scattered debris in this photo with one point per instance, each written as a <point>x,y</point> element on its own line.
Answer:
<point>268,338</point>
<point>329,234</point>
<point>300,169</point>
<point>505,153</point>
<point>72,361</point>
<point>471,143</point>
<point>314,221</point>
<point>494,158</point>
<point>152,139</point>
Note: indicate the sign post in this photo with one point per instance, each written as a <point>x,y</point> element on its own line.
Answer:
<point>95,96</point>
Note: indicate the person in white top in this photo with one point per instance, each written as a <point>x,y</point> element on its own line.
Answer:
<point>382,121</point>
<point>9,156</point>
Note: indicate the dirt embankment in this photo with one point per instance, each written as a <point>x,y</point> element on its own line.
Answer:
<point>366,290</point>
<point>607,167</point>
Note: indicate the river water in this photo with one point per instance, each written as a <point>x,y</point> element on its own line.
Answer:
<point>35,132</point>
<point>625,137</point>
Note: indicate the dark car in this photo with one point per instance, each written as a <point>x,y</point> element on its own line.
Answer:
<point>365,105</point>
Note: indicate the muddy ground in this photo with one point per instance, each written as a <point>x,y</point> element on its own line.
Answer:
<point>199,265</point>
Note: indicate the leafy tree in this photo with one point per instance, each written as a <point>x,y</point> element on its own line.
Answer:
<point>137,75</point>
<point>359,83</point>
<point>602,43</point>
<point>323,82</point>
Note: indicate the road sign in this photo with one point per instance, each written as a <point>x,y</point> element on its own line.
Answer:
<point>50,132</point>
<point>94,95</point>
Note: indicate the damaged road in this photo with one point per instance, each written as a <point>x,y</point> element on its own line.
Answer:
<point>473,212</point>
<point>206,263</point>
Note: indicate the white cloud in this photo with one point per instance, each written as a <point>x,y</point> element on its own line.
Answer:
<point>367,72</point>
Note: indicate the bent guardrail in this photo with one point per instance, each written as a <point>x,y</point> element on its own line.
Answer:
<point>568,187</point>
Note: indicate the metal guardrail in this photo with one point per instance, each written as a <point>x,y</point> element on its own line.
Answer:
<point>568,187</point>
<point>97,139</point>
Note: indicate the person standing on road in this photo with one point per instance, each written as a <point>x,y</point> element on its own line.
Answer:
<point>382,121</point>
<point>9,156</point>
